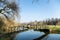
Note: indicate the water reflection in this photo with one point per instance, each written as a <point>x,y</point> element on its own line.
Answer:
<point>28,35</point>
<point>36,35</point>
<point>52,37</point>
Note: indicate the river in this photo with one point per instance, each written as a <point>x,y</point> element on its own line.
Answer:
<point>32,34</point>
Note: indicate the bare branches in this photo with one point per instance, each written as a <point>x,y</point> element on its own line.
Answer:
<point>39,0</point>
<point>14,7</point>
<point>10,9</point>
<point>35,1</point>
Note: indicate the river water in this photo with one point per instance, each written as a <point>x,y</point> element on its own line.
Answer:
<point>31,35</point>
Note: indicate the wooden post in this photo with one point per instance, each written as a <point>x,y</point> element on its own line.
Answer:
<point>14,28</point>
<point>11,29</point>
<point>7,30</point>
<point>23,27</point>
<point>18,28</point>
<point>36,26</point>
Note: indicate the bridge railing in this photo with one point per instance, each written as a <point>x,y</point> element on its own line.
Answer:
<point>12,29</point>
<point>18,28</point>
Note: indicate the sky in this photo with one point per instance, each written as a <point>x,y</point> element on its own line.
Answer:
<point>40,10</point>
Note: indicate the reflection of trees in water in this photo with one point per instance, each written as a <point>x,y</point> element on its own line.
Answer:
<point>46,31</point>
<point>46,37</point>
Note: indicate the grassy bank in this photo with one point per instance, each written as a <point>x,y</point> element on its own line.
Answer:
<point>54,28</point>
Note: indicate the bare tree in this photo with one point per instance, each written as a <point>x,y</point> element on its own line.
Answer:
<point>9,10</point>
<point>8,13</point>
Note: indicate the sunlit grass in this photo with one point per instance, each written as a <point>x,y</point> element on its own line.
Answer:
<point>56,28</point>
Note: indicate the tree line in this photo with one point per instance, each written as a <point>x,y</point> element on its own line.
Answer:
<point>52,21</point>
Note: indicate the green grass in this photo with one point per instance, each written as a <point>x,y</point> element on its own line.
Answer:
<point>53,27</point>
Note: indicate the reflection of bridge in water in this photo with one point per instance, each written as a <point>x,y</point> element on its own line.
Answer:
<point>15,30</point>
<point>46,31</point>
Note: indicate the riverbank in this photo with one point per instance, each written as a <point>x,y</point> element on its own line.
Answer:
<point>53,29</point>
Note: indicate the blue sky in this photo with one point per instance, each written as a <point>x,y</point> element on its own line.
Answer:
<point>41,10</point>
